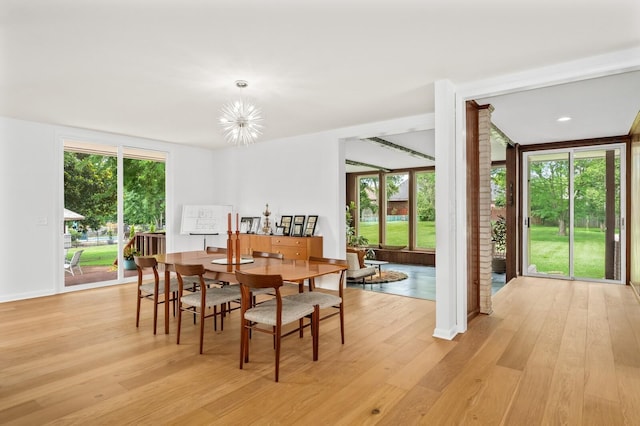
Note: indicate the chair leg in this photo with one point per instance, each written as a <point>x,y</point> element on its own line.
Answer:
<point>202,311</point>
<point>278,337</point>
<point>243,332</point>
<point>138,309</point>
<point>315,331</point>
<point>155,311</point>
<point>179,320</point>
<point>223,312</point>
<point>342,322</point>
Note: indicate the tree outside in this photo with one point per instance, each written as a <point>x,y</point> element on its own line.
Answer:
<point>90,185</point>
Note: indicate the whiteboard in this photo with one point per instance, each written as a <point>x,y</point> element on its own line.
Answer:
<point>204,219</point>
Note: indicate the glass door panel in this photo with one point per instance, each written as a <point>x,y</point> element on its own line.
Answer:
<point>426,210</point>
<point>397,210</point>
<point>574,208</point>
<point>546,227</point>
<point>90,189</point>
<point>594,243</point>
<point>368,225</point>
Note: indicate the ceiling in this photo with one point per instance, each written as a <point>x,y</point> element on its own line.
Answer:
<point>162,69</point>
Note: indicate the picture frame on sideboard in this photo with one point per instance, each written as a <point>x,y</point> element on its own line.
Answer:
<point>255,225</point>
<point>285,223</point>
<point>245,225</point>
<point>297,230</point>
<point>310,229</point>
<point>299,219</point>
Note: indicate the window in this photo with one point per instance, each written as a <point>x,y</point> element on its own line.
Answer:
<point>397,209</point>
<point>407,218</point>
<point>368,206</point>
<point>426,210</point>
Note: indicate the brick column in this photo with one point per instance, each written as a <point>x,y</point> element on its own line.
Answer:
<point>484,133</point>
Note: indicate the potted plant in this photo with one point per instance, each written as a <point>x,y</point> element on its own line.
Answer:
<point>499,249</point>
<point>127,255</point>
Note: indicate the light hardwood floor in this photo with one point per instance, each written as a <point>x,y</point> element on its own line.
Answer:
<point>553,352</point>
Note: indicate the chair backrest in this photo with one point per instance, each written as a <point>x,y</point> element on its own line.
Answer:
<point>353,262</point>
<point>211,249</point>
<point>328,260</point>
<point>191,271</point>
<point>360,254</point>
<point>143,262</point>
<point>257,253</point>
<point>314,259</point>
<point>76,258</point>
<point>248,282</point>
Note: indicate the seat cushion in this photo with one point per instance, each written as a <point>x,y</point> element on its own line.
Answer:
<point>195,281</point>
<point>361,273</point>
<point>214,297</point>
<point>173,286</point>
<point>265,313</point>
<point>324,300</point>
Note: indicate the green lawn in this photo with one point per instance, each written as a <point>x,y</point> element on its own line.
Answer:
<point>102,255</point>
<point>398,233</point>
<point>550,251</point>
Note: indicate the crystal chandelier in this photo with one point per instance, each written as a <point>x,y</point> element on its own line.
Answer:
<point>240,120</point>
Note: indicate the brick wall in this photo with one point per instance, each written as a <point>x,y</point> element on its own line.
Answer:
<point>484,132</point>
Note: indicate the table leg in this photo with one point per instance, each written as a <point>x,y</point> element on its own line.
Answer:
<point>167,296</point>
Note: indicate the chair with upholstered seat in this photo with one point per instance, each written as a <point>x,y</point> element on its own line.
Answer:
<point>152,289</point>
<point>324,299</point>
<point>195,281</point>
<point>199,301</point>
<point>73,263</point>
<point>357,270</point>
<point>274,313</point>
<point>257,253</point>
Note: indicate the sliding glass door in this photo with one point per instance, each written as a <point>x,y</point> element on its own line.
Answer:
<point>574,213</point>
<point>100,181</point>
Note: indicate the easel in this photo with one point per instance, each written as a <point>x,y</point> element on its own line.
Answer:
<point>204,240</point>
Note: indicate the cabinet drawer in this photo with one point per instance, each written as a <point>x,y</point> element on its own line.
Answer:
<point>291,242</point>
<point>291,252</point>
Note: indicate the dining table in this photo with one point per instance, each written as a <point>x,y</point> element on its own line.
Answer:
<point>216,267</point>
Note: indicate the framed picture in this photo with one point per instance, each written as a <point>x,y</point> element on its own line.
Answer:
<point>279,230</point>
<point>296,231</point>
<point>285,223</point>
<point>245,225</point>
<point>255,225</point>
<point>311,226</point>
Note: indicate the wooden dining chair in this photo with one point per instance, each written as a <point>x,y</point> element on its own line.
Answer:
<point>270,255</point>
<point>200,301</point>
<point>212,249</point>
<point>325,300</point>
<point>152,290</point>
<point>208,281</point>
<point>274,313</point>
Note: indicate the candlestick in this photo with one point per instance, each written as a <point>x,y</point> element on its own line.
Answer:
<point>237,222</point>
<point>238,247</point>
<point>229,222</point>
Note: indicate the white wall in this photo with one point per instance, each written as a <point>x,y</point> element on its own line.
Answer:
<point>299,175</point>
<point>31,193</point>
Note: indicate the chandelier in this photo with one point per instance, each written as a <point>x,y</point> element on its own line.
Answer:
<point>240,120</point>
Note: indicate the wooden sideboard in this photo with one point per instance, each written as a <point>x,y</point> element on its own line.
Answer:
<point>290,247</point>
